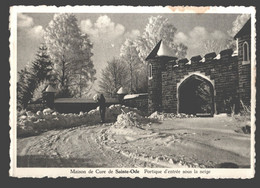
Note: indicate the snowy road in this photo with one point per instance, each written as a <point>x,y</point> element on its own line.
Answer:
<point>75,147</point>
<point>173,143</point>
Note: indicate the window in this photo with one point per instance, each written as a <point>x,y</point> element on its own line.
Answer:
<point>245,53</point>
<point>150,71</point>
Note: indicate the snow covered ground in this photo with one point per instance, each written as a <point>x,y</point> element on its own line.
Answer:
<point>172,142</point>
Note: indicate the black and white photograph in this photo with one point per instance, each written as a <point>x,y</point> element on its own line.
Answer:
<point>132,91</point>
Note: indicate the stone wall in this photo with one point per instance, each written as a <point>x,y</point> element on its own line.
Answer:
<point>244,72</point>
<point>155,83</point>
<point>140,102</point>
<point>155,87</point>
<point>222,72</point>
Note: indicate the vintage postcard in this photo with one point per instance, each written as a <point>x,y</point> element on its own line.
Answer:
<point>121,91</point>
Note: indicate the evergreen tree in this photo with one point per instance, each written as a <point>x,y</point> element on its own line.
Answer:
<point>32,76</point>
<point>23,88</point>
<point>42,66</point>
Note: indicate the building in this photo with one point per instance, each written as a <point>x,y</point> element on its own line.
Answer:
<point>224,79</point>
<point>174,84</point>
<point>243,38</point>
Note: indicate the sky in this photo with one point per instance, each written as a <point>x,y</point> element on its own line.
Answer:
<point>108,32</point>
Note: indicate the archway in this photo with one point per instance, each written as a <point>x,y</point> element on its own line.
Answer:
<point>196,96</point>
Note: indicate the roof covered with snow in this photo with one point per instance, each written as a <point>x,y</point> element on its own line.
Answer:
<point>164,50</point>
<point>161,49</point>
<point>122,91</point>
<point>133,96</point>
<point>83,100</point>
<point>246,29</point>
<point>50,89</point>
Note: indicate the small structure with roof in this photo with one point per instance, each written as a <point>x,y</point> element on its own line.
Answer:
<point>139,101</point>
<point>71,105</point>
<point>121,93</point>
<point>76,105</point>
<point>49,95</point>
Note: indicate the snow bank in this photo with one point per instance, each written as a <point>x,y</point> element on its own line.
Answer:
<point>162,116</point>
<point>129,124</point>
<point>129,119</point>
<point>29,123</point>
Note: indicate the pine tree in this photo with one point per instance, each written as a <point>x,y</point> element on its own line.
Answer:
<point>33,75</point>
<point>23,88</point>
<point>42,67</point>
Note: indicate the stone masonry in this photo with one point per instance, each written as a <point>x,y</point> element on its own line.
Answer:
<point>167,76</point>
<point>226,73</point>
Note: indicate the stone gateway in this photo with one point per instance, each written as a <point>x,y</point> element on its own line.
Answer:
<point>174,85</point>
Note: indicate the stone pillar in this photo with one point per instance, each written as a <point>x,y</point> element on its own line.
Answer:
<point>155,86</point>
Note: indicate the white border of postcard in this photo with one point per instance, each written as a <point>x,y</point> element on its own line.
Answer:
<point>129,172</point>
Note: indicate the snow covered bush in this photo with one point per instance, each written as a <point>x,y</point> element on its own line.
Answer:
<point>29,123</point>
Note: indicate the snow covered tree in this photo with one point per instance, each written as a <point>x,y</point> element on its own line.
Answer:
<point>218,44</point>
<point>135,66</point>
<point>237,24</point>
<point>215,45</point>
<point>40,70</point>
<point>25,85</point>
<point>42,66</point>
<point>82,76</point>
<point>113,77</point>
<point>70,50</point>
<point>159,28</point>
<point>38,92</point>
